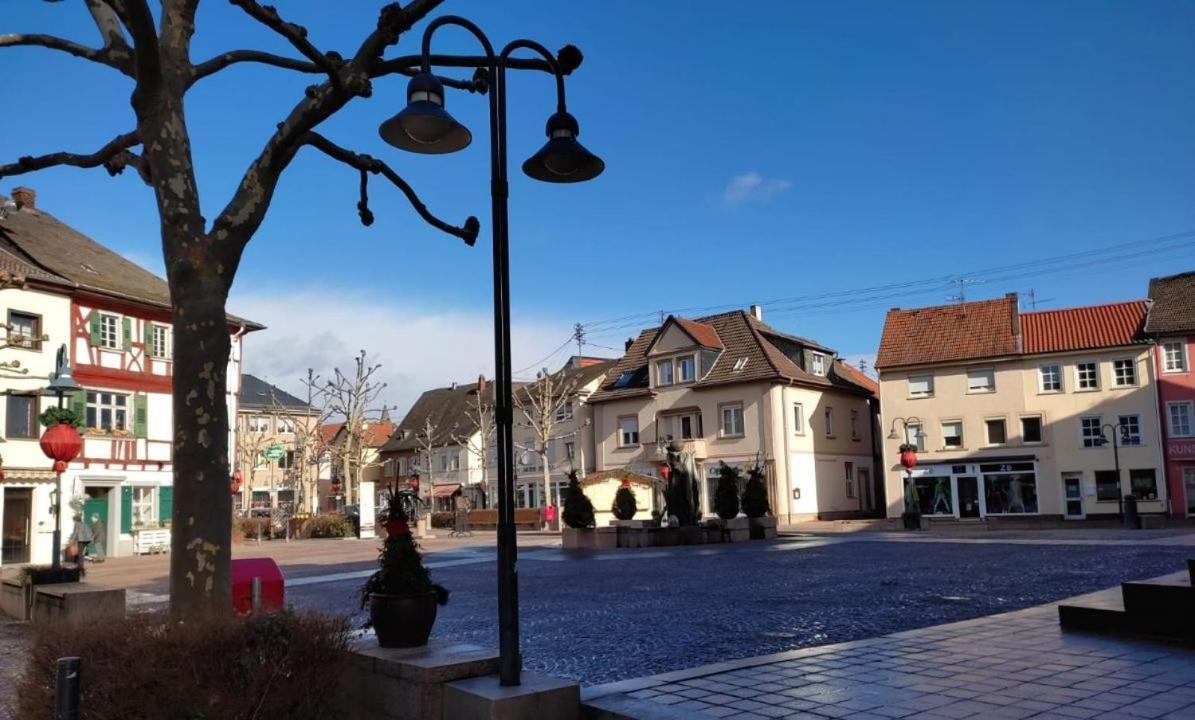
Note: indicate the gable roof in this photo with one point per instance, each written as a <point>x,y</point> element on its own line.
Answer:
<point>257,394</point>
<point>1083,328</point>
<point>448,410</point>
<point>702,334</point>
<point>76,261</point>
<point>946,333</point>
<point>743,338</point>
<point>1173,304</point>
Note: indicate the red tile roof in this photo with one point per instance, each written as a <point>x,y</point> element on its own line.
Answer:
<point>856,376</point>
<point>1083,328</point>
<point>946,333</point>
<point>703,334</point>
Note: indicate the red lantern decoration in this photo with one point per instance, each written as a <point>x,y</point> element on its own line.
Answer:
<point>61,443</point>
<point>665,471</point>
<point>414,484</point>
<point>908,458</point>
<point>335,488</point>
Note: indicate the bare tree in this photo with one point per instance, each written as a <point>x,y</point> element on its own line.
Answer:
<point>350,397</point>
<point>202,258</point>
<point>426,440</point>
<point>480,439</point>
<point>541,402</point>
<point>250,452</point>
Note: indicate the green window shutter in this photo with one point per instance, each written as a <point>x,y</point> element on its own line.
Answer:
<point>140,419</point>
<point>78,403</point>
<point>147,337</point>
<point>93,322</point>
<point>165,504</point>
<point>126,332</point>
<point>126,510</point>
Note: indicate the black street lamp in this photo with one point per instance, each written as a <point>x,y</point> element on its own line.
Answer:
<point>62,382</point>
<point>424,126</point>
<point>1103,440</point>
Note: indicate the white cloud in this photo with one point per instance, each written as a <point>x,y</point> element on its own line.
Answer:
<point>752,187</point>
<point>418,347</point>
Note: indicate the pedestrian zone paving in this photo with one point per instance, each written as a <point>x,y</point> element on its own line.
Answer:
<point>1009,666</point>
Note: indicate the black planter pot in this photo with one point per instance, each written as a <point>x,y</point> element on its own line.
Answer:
<point>402,621</point>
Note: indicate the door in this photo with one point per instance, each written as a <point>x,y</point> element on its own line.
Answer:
<point>968,497</point>
<point>17,525</point>
<point>95,516</point>
<point>1072,492</point>
<point>1189,485</point>
<point>865,488</point>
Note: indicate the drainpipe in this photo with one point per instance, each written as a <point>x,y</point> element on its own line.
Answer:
<point>788,470</point>
<point>1157,403</point>
<point>879,474</point>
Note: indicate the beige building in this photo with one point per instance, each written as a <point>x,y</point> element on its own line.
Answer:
<point>732,389</point>
<point>277,442</point>
<point>1013,414</point>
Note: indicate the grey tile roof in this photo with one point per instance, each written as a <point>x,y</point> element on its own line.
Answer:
<point>257,394</point>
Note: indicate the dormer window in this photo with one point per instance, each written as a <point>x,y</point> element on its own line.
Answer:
<point>817,364</point>
<point>624,379</point>
<point>686,368</point>
<point>740,364</point>
<point>664,372</point>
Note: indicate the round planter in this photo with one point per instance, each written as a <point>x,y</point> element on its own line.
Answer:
<point>401,621</point>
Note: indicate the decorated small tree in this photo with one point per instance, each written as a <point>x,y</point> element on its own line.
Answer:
<point>726,495</point>
<point>755,495</point>
<point>624,502</point>
<point>578,510</point>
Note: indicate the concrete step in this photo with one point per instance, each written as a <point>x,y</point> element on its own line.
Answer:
<point>1176,597</point>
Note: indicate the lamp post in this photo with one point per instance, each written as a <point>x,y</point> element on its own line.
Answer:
<point>908,458</point>
<point>61,451</point>
<point>424,126</point>
<point>1103,440</point>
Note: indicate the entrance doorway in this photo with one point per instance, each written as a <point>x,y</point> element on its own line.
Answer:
<point>17,528</point>
<point>865,489</point>
<point>968,497</point>
<point>1072,490</point>
<point>1189,485</point>
<point>96,516</point>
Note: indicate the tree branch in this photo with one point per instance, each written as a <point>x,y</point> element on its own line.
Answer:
<point>118,58</point>
<point>115,156</point>
<point>365,163</point>
<point>223,60</point>
<point>296,35</point>
<point>108,23</point>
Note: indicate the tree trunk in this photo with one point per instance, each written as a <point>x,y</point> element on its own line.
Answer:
<point>200,558</point>
<point>547,484</point>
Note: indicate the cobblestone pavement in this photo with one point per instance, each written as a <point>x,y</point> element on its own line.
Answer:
<point>13,639</point>
<point>1007,666</point>
<point>601,617</point>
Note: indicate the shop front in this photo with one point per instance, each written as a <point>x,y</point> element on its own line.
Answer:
<point>973,490</point>
<point>1180,457</point>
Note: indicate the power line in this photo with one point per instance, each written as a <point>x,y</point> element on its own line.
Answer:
<point>547,357</point>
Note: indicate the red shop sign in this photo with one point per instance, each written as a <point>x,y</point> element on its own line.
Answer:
<point>1181,449</point>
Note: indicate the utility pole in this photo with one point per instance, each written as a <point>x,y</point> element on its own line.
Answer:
<point>579,336</point>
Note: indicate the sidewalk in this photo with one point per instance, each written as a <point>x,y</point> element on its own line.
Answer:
<point>1010,666</point>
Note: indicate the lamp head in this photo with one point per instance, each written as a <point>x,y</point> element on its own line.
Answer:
<point>893,436</point>
<point>424,126</point>
<point>562,159</point>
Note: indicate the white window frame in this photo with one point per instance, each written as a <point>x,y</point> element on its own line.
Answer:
<point>848,469</point>
<point>660,366</point>
<point>628,437</point>
<point>1079,378</point>
<point>1120,428</point>
<point>929,385</point>
<point>987,431</point>
<point>1099,432</point>
<point>570,449</point>
<point>829,419</point>
<point>1179,349</point>
<point>285,425</point>
<point>145,500</point>
<point>1041,429</point>
<point>259,424</point>
<point>99,406</point>
<point>117,331</point>
<point>723,431</point>
<point>961,435</point>
<point>564,412</point>
<point>915,435</point>
<point>988,373</point>
<point>817,364</point>
<point>159,348</point>
<point>1190,418</point>
<point>675,421</point>
<point>678,371</point>
<point>798,418</point>
<point>1116,376</point>
<point>855,425</point>
<point>1054,369</point>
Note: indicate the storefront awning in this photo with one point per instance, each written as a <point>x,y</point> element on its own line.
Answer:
<point>445,490</point>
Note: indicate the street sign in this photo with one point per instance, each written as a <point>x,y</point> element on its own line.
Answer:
<point>274,453</point>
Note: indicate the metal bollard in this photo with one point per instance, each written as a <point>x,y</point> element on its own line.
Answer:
<point>255,593</point>
<point>66,689</point>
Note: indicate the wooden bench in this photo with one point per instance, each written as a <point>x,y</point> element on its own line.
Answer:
<point>526,518</point>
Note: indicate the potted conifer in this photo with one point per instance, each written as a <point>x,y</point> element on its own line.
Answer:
<point>756,507</point>
<point>400,595</point>
<point>578,532</point>
<point>726,504</point>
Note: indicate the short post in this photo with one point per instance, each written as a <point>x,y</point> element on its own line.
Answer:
<point>66,689</point>
<point>255,592</point>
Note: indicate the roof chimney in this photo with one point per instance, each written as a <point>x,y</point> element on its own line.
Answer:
<point>627,345</point>
<point>24,197</point>
<point>757,312</point>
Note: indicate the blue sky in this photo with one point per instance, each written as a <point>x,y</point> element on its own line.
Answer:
<point>755,152</point>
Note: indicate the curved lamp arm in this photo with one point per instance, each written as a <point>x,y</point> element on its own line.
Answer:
<point>548,58</point>
<point>459,22</point>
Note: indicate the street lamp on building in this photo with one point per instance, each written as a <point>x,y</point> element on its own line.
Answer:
<point>60,449</point>
<point>908,459</point>
<point>424,126</point>
<point>1103,440</point>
